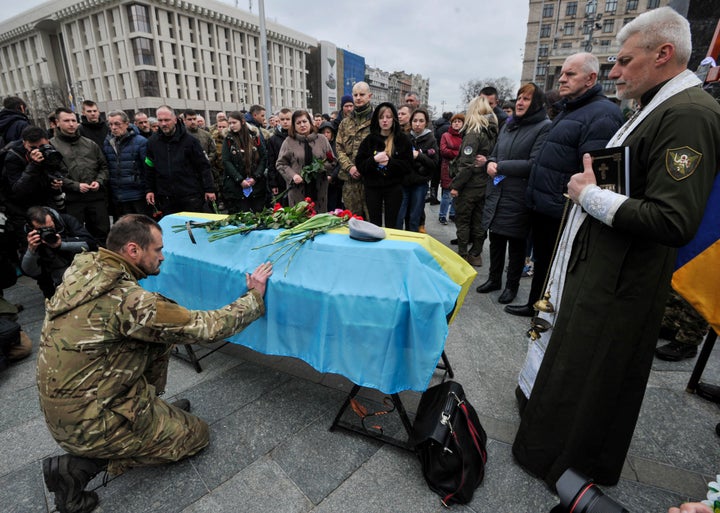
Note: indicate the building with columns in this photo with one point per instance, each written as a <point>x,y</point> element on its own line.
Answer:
<point>139,54</point>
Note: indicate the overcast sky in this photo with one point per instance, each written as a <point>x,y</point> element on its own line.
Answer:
<point>448,41</point>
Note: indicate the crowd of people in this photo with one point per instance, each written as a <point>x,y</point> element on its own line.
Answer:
<point>507,171</point>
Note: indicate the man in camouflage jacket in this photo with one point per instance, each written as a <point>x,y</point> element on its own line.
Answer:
<point>103,360</point>
<point>351,132</point>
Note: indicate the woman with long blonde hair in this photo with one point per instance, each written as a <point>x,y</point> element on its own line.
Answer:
<point>470,178</point>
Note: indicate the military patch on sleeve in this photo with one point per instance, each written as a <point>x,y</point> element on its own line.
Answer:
<point>170,313</point>
<point>680,163</point>
<point>468,150</point>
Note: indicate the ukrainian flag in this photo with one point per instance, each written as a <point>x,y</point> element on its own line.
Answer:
<point>374,312</point>
<point>696,276</point>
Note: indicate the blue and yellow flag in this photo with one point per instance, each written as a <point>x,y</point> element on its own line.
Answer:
<point>697,269</point>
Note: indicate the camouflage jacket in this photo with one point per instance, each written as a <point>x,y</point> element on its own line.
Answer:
<point>105,341</point>
<point>351,132</point>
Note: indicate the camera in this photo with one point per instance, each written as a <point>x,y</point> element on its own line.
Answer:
<point>51,156</point>
<point>578,494</point>
<point>48,234</point>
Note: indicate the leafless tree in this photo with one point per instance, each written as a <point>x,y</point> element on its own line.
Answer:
<point>506,88</point>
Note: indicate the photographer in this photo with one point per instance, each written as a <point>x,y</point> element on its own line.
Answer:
<point>33,174</point>
<point>53,241</point>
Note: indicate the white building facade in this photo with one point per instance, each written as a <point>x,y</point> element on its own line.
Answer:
<point>139,54</point>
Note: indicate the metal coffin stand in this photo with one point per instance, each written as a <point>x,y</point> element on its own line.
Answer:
<point>192,357</point>
<point>443,365</point>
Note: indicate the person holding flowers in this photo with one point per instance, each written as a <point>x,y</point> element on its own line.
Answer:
<point>244,159</point>
<point>384,158</point>
<point>304,161</point>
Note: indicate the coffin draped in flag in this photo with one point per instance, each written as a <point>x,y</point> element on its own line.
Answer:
<point>697,273</point>
<point>374,312</point>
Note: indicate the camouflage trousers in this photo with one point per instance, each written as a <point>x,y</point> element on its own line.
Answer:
<point>469,206</point>
<point>353,196</point>
<point>157,434</point>
<point>689,326</point>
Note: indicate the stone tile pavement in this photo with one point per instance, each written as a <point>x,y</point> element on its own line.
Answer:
<point>271,450</point>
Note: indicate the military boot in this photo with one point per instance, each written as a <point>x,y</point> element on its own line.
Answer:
<point>67,476</point>
<point>183,404</point>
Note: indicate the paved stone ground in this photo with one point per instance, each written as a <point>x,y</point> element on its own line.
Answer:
<point>271,450</point>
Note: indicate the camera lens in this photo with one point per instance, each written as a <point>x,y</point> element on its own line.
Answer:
<point>51,155</point>
<point>48,235</point>
<point>578,494</point>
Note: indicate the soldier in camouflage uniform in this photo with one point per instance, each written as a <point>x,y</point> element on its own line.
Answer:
<point>351,132</point>
<point>103,360</point>
<point>683,327</point>
<point>218,133</point>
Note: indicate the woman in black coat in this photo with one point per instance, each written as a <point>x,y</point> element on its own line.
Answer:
<point>506,215</point>
<point>384,158</point>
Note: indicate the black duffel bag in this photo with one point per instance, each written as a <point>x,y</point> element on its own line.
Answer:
<point>450,443</point>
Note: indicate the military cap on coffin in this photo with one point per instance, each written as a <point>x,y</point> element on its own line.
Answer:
<point>364,231</point>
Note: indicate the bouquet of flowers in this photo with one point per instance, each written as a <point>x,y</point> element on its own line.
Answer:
<point>291,240</point>
<point>243,222</point>
<point>713,495</point>
<point>311,171</point>
<point>300,221</point>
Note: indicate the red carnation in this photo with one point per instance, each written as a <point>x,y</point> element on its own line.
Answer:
<point>329,156</point>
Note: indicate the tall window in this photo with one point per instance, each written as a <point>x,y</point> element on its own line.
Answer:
<point>548,10</point>
<point>543,50</point>
<point>653,4</point>
<point>545,30</point>
<point>148,82</point>
<point>591,7</point>
<point>542,68</point>
<point>571,9</point>
<point>608,26</point>
<point>139,18</point>
<point>610,5</point>
<point>631,5</point>
<point>143,51</point>
<point>569,28</point>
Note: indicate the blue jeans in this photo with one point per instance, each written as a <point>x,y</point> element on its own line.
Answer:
<point>447,205</point>
<point>412,207</point>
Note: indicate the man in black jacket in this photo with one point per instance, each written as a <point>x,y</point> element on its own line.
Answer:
<point>53,241</point>
<point>13,119</point>
<point>179,175</point>
<point>92,126</point>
